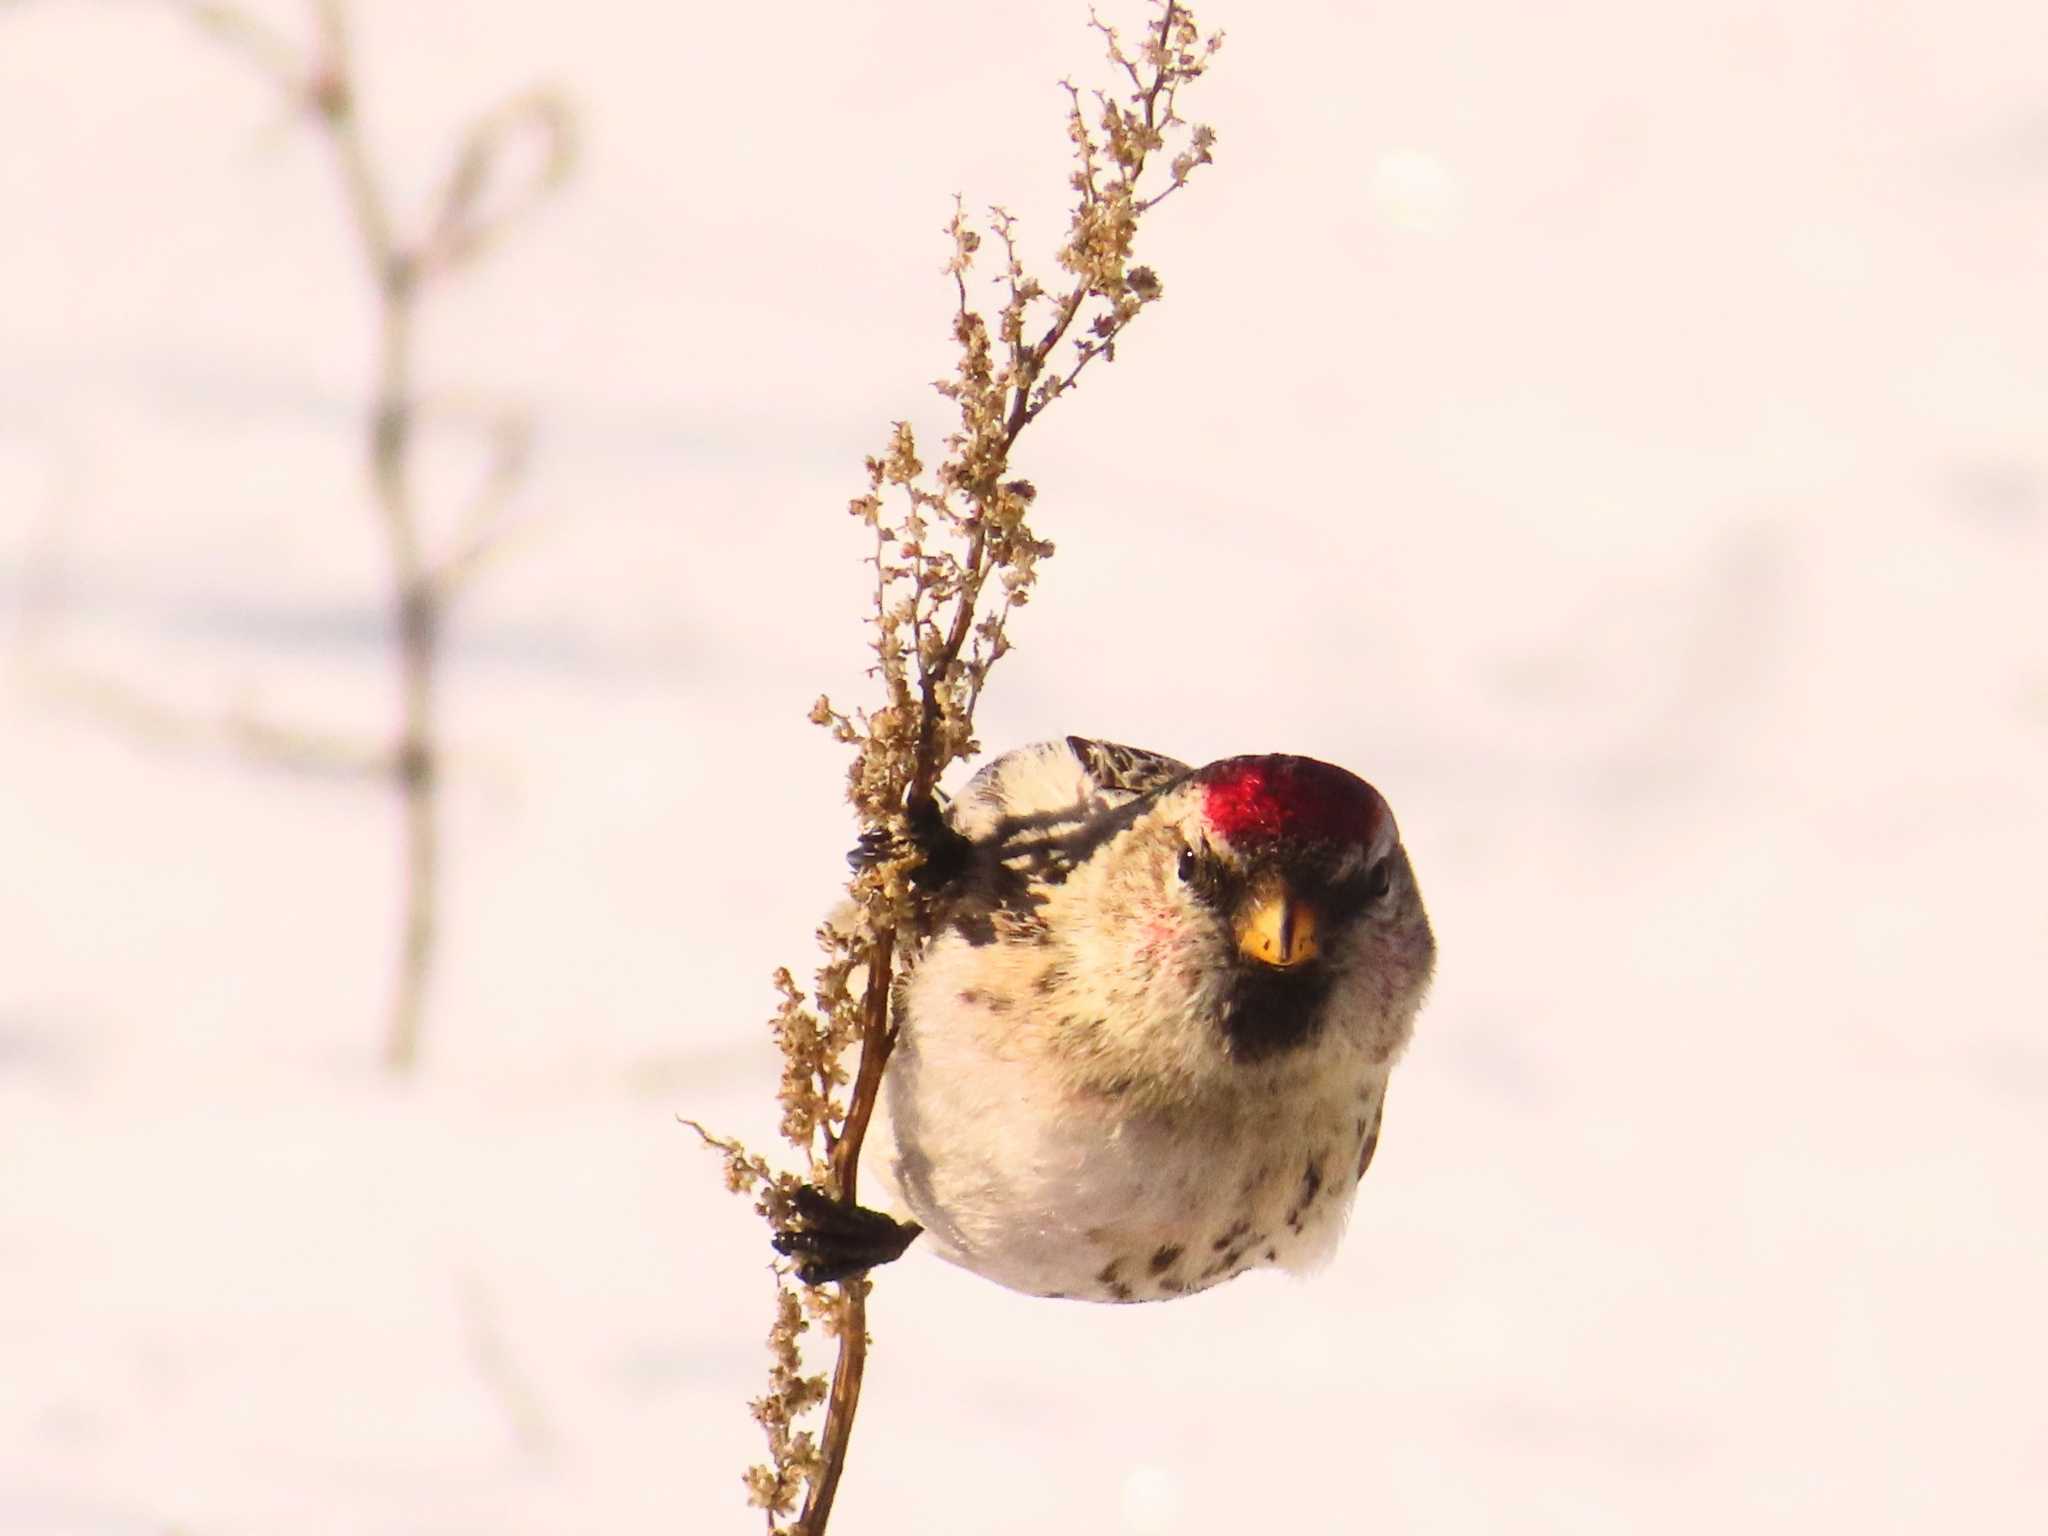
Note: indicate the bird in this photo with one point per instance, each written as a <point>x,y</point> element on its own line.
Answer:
<point>1145,1043</point>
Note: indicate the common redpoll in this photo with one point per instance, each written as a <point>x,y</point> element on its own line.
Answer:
<point>1146,1047</point>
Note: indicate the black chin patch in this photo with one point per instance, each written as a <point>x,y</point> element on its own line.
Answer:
<point>1271,1011</point>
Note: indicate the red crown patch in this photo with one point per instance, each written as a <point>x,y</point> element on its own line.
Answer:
<point>1260,799</point>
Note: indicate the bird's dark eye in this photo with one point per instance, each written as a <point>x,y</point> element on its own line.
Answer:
<point>1376,880</point>
<point>1188,864</point>
<point>1361,890</point>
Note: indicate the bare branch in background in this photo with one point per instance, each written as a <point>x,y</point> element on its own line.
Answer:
<point>499,1369</point>
<point>484,197</point>
<point>955,553</point>
<point>475,209</point>
<point>481,533</point>
<point>507,163</point>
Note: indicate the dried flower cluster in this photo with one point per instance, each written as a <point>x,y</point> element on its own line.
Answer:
<point>955,554</point>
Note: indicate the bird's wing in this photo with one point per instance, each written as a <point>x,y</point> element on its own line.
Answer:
<point>1043,791</point>
<point>1127,770</point>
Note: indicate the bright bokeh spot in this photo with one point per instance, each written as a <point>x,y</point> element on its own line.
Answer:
<point>1413,190</point>
<point>1152,1500</point>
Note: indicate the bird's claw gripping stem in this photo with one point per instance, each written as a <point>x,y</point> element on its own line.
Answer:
<point>832,1242</point>
<point>943,851</point>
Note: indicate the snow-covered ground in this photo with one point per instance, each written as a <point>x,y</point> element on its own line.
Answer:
<point>1619,431</point>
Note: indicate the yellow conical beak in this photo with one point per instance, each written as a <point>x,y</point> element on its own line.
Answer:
<point>1276,929</point>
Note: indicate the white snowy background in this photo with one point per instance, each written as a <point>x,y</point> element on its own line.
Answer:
<point>1619,431</point>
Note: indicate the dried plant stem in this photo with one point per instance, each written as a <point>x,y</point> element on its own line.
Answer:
<point>840,1406</point>
<point>877,1038</point>
<point>954,554</point>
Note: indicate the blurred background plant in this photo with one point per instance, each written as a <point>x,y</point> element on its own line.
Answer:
<point>506,165</point>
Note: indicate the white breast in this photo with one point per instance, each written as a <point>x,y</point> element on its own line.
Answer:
<point>1019,1179</point>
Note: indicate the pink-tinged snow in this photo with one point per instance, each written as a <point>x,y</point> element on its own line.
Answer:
<point>1615,430</point>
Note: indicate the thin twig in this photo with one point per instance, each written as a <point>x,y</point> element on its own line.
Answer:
<point>393,273</point>
<point>495,1363</point>
<point>398,269</point>
<point>481,534</point>
<point>463,228</point>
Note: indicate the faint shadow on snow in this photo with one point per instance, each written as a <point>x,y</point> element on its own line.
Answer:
<point>41,1052</point>
<point>2011,1067</point>
<point>32,1514</point>
<point>2005,495</point>
<point>235,392</point>
<point>354,629</point>
<point>561,649</point>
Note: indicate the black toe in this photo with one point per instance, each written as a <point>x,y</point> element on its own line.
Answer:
<point>943,853</point>
<point>832,1242</point>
